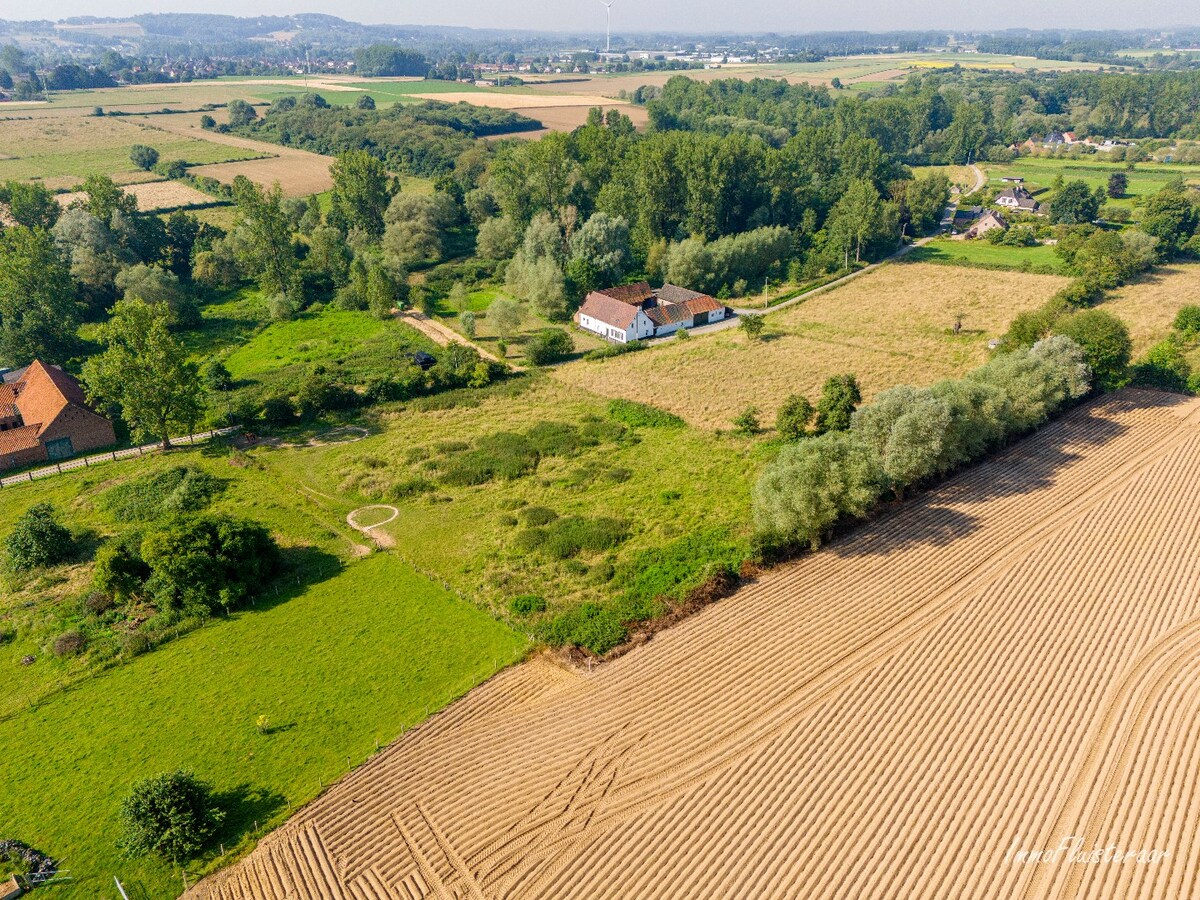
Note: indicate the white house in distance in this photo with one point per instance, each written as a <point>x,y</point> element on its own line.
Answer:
<point>634,312</point>
<point>1016,197</point>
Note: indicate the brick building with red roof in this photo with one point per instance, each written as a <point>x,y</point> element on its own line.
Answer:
<point>45,416</point>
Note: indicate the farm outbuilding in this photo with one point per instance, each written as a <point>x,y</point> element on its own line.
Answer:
<point>636,311</point>
<point>45,416</point>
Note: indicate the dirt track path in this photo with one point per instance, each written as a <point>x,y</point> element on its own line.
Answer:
<point>443,336</point>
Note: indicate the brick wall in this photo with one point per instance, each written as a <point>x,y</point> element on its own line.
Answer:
<point>86,430</point>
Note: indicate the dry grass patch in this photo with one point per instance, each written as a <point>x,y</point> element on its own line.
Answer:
<point>154,195</point>
<point>1149,305</point>
<point>61,152</point>
<point>889,327</point>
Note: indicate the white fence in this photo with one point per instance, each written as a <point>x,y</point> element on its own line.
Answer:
<point>84,462</point>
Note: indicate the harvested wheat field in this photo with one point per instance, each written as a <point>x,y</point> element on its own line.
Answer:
<point>153,195</point>
<point>890,326</point>
<point>298,172</point>
<point>1007,661</point>
<point>1148,306</point>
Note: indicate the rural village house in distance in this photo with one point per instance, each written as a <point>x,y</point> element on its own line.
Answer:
<point>44,416</point>
<point>634,312</point>
<point>1016,197</point>
<point>989,221</point>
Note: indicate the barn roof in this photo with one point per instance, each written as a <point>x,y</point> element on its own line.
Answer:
<point>673,293</point>
<point>636,293</point>
<point>608,309</point>
<point>16,440</point>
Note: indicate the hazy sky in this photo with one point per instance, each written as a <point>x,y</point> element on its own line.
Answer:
<point>674,15</point>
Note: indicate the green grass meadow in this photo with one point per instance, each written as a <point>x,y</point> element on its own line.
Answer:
<point>344,664</point>
<point>1041,259</point>
<point>1145,179</point>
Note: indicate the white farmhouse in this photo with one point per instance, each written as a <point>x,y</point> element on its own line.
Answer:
<point>634,312</point>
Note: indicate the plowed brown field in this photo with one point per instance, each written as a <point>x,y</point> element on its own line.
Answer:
<point>1007,661</point>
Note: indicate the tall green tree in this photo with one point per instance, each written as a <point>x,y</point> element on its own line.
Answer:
<point>29,203</point>
<point>267,249</point>
<point>856,219</point>
<point>360,191</point>
<point>812,484</point>
<point>146,372</point>
<point>1075,204</point>
<point>38,315</point>
<point>839,397</point>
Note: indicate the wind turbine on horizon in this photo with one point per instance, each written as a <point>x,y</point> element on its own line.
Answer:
<point>607,4</point>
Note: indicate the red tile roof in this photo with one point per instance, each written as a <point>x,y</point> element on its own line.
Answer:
<point>43,392</point>
<point>608,309</point>
<point>673,293</point>
<point>17,440</point>
<point>636,293</point>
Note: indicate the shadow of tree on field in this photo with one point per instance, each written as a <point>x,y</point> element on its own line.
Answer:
<point>244,806</point>
<point>302,567</point>
<point>1026,466</point>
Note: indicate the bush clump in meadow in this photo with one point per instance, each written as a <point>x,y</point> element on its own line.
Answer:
<point>550,345</point>
<point>180,489</point>
<point>572,535</point>
<point>504,455</point>
<point>527,605</point>
<point>208,564</point>
<point>172,816</point>
<point>1164,367</point>
<point>507,455</point>
<point>643,415</point>
<point>537,515</point>
<point>38,539</point>
<point>589,626</point>
<point>120,571</point>
<point>69,643</point>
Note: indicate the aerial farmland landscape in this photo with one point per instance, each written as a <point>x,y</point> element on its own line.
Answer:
<point>599,451</point>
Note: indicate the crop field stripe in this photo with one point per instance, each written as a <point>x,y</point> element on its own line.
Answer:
<point>879,719</point>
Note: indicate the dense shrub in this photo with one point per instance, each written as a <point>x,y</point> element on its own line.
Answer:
<point>527,605</point>
<point>671,570</point>
<point>839,396</point>
<point>793,418</point>
<point>550,345</point>
<point>589,626</point>
<point>38,539</point>
<point>69,643</point>
<point>610,350</point>
<point>643,415</point>
<point>1105,341</point>
<point>181,489</point>
<point>1187,322</point>
<point>120,571</point>
<point>172,815</point>
<point>208,563</point>
<point>1164,366</point>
